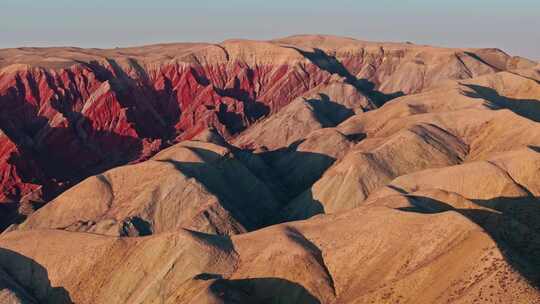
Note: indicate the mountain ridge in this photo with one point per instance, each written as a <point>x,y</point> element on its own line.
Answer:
<point>307,169</point>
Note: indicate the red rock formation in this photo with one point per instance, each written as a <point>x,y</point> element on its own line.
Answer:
<point>69,113</point>
<point>431,197</point>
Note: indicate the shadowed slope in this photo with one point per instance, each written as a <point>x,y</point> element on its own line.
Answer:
<point>332,65</point>
<point>529,108</point>
<point>33,277</point>
<point>516,238</point>
<point>195,185</point>
<point>445,126</point>
<point>260,290</point>
<point>94,109</point>
<point>431,197</point>
<point>392,256</point>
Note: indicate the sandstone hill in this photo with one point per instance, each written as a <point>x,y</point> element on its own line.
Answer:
<point>308,169</point>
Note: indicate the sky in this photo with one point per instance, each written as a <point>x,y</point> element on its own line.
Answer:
<point>511,25</point>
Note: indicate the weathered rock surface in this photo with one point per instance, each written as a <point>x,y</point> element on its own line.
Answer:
<point>449,125</point>
<point>195,185</point>
<point>309,169</point>
<point>69,113</point>
<point>375,254</point>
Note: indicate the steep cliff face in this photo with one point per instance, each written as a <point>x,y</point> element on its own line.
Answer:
<point>68,113</point>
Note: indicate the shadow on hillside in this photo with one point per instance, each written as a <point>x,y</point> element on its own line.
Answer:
<point>252,108</point>
<point>57,157</point>
<point>333,66</point>
<point>297,170</point>
<point>135,226</point>
<point>232,121</point>
<point>151,112</point>
<point>223,242</point>
<point>297,237</point>
<point>32,277</point>
<point>528,108</point>
<point>9,214</point>
<point>328,112</point>
<point>53,158</point>
<point>513,224</point>
<point>231,181</point>
<point>259,290</point>
<point>478,58</point>
<point>200,78</point>
<point>289,174</point>
<point>303,207</point>
<point>270,177</point>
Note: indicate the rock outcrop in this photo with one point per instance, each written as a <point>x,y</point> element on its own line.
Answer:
<point>69,113</point>
<point>308,169</point>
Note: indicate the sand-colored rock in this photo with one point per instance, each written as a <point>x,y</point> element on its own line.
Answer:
<point>69,113</point>
<point>308,169</point>
<point>194,184</point>
<point>391,256</point>
<point>323,107</point>
<point>455,123</point>
<point>114,270</point>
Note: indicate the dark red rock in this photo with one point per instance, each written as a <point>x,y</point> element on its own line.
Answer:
<point>62,122</point>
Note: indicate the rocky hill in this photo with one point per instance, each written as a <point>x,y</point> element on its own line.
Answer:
<point>308,169</point>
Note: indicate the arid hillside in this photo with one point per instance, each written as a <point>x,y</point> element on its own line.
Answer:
<point>69,113</point>
<point>308,169</point>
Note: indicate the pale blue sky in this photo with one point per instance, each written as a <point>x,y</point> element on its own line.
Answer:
<point>512,25</point>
